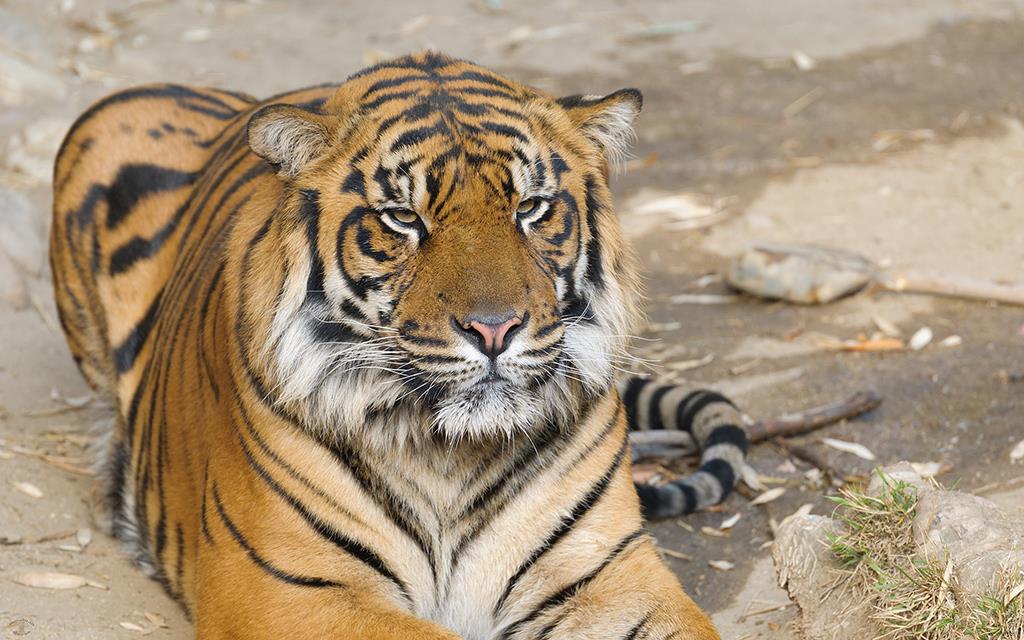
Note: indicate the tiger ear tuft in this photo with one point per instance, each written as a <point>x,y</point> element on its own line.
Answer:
<point>288,137</point>
<point>607,120</point>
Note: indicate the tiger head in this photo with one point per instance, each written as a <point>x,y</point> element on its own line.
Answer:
<point>451,252</point>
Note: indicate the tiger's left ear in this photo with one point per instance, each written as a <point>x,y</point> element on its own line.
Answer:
<point>606,120</point>
<point>288,137</point>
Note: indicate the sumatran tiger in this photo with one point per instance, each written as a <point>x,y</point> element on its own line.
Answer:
<point>362,342</point>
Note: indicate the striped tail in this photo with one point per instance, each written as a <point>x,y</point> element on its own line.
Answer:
<point>715,426</point>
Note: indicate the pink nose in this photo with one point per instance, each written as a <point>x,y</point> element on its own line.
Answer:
<point>491,333</point>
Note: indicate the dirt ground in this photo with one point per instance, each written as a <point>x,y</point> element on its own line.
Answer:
<point>900,138</point>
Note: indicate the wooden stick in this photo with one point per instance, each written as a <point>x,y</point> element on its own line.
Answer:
<point>798,423</point>
<point>954,286</point>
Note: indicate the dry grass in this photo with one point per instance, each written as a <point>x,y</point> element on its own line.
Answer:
<point>915,598</point>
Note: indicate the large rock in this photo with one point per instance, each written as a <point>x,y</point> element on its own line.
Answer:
<point>807,570</point>
<point>802,273</point>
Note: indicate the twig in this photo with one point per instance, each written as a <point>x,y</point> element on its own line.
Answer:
<point>761,612</point>
<point>953,286</point>
<point>806,421</point>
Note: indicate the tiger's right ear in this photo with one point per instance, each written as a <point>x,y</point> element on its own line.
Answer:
<point>288,137</point>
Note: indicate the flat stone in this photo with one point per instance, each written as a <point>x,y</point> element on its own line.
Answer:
<point>801,273</point>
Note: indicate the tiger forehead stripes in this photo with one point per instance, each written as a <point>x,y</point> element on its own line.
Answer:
<point>362,341</point>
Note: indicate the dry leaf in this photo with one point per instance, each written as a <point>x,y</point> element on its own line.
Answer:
<point>703,298</point>
<point>729,523</point>
<point>721,565</point>
<point>714,533</point>
<point>921,339</point>
<point>196,34</point>
<point>804,510</point>
<point>687,365</point>
<point>870,345</point>
<point>768,496</point>
<point>156,619</point>
<point>803,61</point>
<point>1018,452</point>
<point>678,555</point>
<point>858,450</point>
<point>951,341</point>
<point>53,580</point>
<point>751,477</point>
<point>886,327</point>
<point>29,489</point>
<point>927,469</point>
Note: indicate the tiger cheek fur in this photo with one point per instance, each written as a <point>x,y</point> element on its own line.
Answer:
<point>362,341</point>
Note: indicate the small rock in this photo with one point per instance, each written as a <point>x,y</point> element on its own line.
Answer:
<point>805,274</point>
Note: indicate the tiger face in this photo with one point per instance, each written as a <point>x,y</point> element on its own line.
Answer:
<point>451,253</point>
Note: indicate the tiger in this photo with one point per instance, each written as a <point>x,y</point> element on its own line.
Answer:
<point>362,340</point>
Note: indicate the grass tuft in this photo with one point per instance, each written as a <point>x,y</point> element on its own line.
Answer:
<point>915,598</point>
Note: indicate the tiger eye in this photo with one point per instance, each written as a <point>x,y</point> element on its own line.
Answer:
<point>404,216</point>
<point>528,205</point>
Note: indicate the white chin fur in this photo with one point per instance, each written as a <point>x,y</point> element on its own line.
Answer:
<point>500,409</point>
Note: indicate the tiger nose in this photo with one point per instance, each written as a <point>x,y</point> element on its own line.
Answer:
<point>490,333</point>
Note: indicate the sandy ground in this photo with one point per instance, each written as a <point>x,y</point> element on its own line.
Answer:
<point>790,154</point>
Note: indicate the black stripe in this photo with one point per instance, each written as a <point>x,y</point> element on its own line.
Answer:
<point>723,472</point>
<point>271,570</point>
<point>654,502</point>
<point>727,434</point>
<point>655,419</point>
<point>134,182</point>
<point>418,135</point>
<point>505,130</point>
<point>567,592</point>
<point>565,526</point>
<point>164,91</point>
<point>385,98</point>
<point>693,404</point>
<point>125,353</point>
<point>632,633</point>
<point>355,182</point>
<point>630,398</point>
<point>595,265</point>
<point>324,530</point>
<point>395,508</point>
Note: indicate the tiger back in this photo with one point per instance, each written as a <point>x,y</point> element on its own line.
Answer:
<point>362,341</point>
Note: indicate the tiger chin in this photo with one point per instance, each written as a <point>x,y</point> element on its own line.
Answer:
<point>362,340</point>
